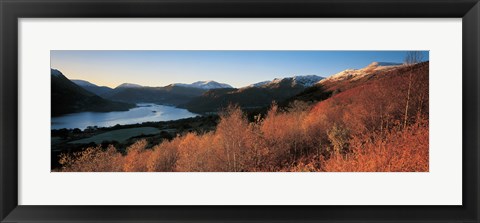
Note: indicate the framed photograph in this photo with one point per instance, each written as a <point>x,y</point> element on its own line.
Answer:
<point>228,111</point>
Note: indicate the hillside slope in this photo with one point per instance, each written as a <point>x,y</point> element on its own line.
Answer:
<point>67,97</point>
<point>98,90</point>
<point>349,79</point>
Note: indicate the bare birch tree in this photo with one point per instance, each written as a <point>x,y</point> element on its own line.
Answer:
<point>412,58</point>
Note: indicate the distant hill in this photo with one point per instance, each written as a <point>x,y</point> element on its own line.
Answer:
<point>98,90</point>
<point>68,97</point>
<point>205,85</point>
<point>128,85</point>
<point>170,95</point>
<point>251,97</point>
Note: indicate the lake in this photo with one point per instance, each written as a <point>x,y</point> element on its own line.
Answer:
<point>144,112</point>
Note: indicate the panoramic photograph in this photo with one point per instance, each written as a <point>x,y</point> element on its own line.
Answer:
<point>239,111</point>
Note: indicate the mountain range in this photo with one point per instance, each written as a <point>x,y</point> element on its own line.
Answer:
<point>168,95</point>
<point>210,96</point>
<point>253,96</point>
<point>173,94</point>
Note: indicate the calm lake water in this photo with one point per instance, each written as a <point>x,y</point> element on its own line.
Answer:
<point>141,113</point>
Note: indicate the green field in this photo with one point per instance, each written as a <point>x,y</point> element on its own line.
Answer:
<point>120,135</point>
<point>56,140</point>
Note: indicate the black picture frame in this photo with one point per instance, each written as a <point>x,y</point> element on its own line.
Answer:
<point>12,10</point>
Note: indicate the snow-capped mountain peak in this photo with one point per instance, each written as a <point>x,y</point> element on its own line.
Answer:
<point>305,80</point>
<point>207,85</point>
<point>359,73</point>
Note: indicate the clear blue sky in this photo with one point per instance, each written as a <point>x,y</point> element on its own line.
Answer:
<point>237,68</point>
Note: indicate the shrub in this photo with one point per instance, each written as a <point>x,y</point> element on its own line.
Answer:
<point>339,137</point>
<point>92,159</point>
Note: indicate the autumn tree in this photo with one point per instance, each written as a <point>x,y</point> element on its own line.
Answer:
<point>163,157</point>
<point>412,58</point>
<point>135,160</point>
<point>231,132</point>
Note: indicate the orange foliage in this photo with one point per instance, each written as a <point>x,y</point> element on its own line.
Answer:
<point>164,157</point>
<point>92,160</point>
<point>199,154</point>
<point>136,156</point>
<point>398,151</point>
